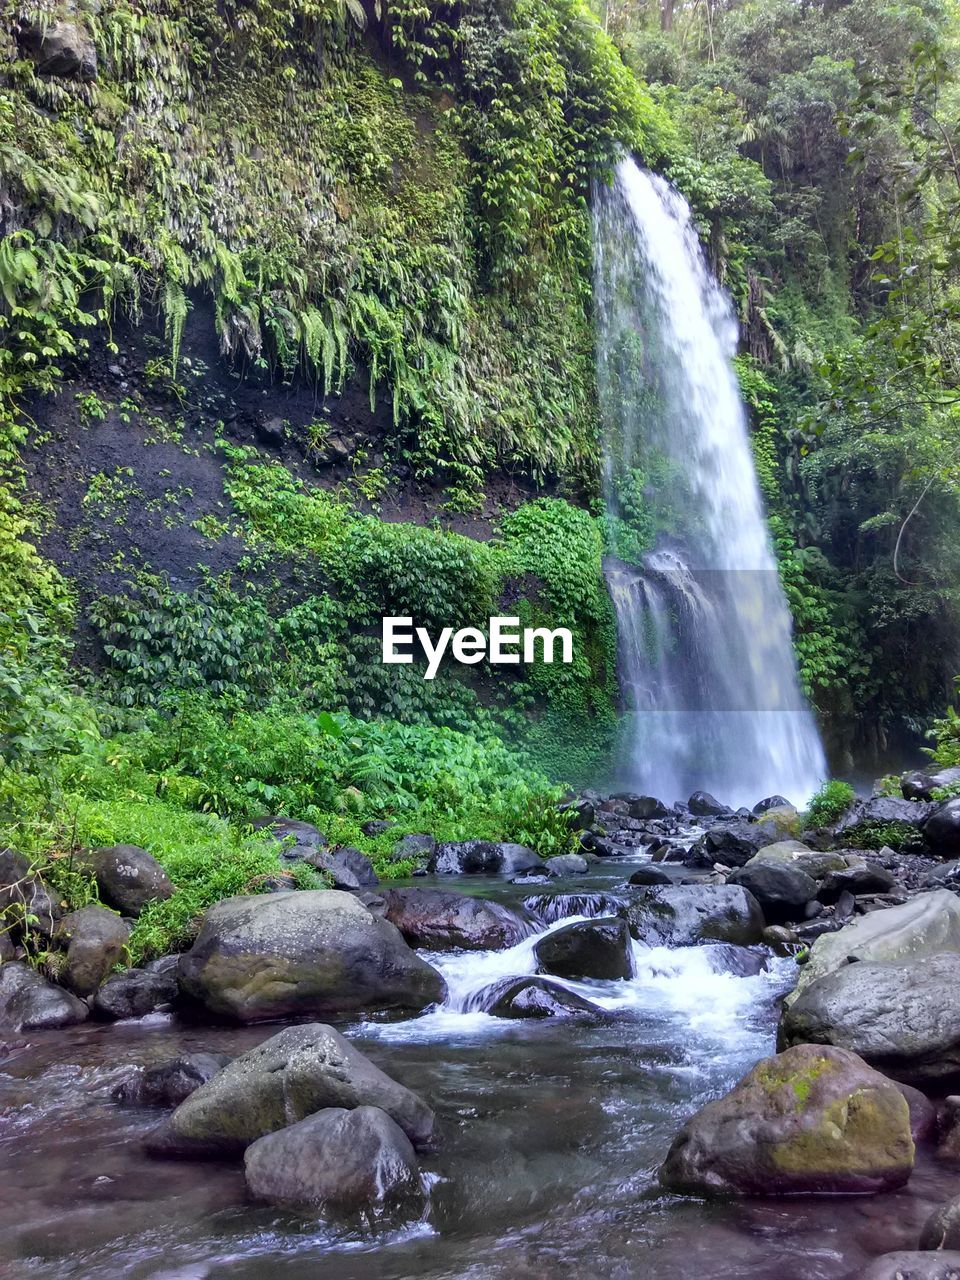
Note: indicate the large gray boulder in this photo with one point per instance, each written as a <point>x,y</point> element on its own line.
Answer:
<point>920,785</point>
<point>341,1162</point>
<point>732,843</point>
<point>942,829</point>
<point>883,810</point>
<point>920,928</point>
<point>684,915</point>
<point>303,953</point>
<point>904,1019</point>
<point>96,940</point>
<point>441,921</point>
<point>295,1073</point>
<point>483,857</point>
<point>782,890</point>
<point>795,854</point>
<point>347,867</point>
<point>29,1003</point>
<point>908,1264</point>
<point>812,1120</point>
<point>599,948</point>
<point>128,878</point>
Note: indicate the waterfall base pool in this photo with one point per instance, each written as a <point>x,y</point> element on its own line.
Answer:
<point>552,1133</point>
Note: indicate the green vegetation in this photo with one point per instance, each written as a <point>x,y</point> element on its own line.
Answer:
<point>829,804</point>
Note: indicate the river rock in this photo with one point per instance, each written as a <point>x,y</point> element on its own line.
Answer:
<point>942,1229</point>
<point>29,1003</point>
<point>598,948</point>
<point>910,1265</point>
<point>442,921</point>
<point>537,998</point>
<point>920,928</point>
<point>794,853</point>
<point>647,808</point>
<point>942,830</point>
<point>345,1162</point>
<point>904,1019</point>
<point>377,827</point>
<point>918,785</point>
<point>812,1120</point>
<point>134,994</point>
<point>415,846</point>
<point>483,857</point>
<point>59,49</point>
<point>703,805</point>
<point>732,843</point>
<point>300,841</point>
<point>170,1083</point>
<point>128,878</point>
<point>96,941</point>
<point>302,953</point>
<point>740,962</point>
<point>866,879</point>
<point>772,802</point>
<point>782,890</point>
<point>295,1073</point>
<point>348,863</point>
<point>923,1114</point>
<point>652,874</point>
<point>684,915</point>
<point>566,864</point>
<point>883,810</point>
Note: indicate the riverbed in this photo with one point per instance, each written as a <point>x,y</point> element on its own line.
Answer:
<point>552,1132</point>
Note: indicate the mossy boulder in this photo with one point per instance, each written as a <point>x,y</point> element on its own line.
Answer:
<point>913,932</point>
<point>795,854</point>
<point>812,1120</point>
<point>684,915</point>
<point>439,921</point>
<point>313,952</point>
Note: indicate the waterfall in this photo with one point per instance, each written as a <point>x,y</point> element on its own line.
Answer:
<point>706,656</point>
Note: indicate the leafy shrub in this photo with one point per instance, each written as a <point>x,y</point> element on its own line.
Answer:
<point>830,803</point>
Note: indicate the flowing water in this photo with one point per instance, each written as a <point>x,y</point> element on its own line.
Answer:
<point>551,1136</point>
<point>705,635</point>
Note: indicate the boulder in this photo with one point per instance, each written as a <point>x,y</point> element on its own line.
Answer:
<point>684,915</point>
<point>483,857</point>
<point>344,1162</point>
<point>347,868</point>
<point>652,873</point>
<point>942,1229</point>
<point>941,831</point>
<point>732,843</point>
<point>883,810</point>
<point>795,854</point>
<point>377,827</point>
<point>598,948</point>
<point>782,890</point>
<point>920,785</point>
<point>646,808</point>
<point>60,49</point>
<point>857,880</point>
<point>442,921</point>
<point>170,1083</point>
<point>812,1120</point>
<point>96,941</point>
<point>537,998</point>
<point>903,1019</point>
<point>128,878</point>
<point>22,888</point>
<point>295,1073</point>
<point>923,1114</point>
<point>566,864</point>
<point>920,928</point>
<point>134,994</point>
<point>772,802</point>
<point>739,962</point>
<point>29,1003</point>
<point>703,805</point>
<point>301,954</point>
<point>909,1265</point>
<point>300,841</point>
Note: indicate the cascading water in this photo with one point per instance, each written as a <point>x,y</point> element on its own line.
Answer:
<point>704,630</point>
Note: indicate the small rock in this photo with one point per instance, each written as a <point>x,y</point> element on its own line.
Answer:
<point>134,994</point>
<point>170,1083</point>
<point>128,878</point>
<point>415,846</point>
<point>942,1229</point>
<point>566,864</point>
<point>377,827</point>
<point>538,998</point>
<point>300,840</point>
<point>651,874</point>
<point>96,941</point>
<point>29,1003</point>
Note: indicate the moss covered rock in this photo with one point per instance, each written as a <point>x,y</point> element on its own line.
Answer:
<point>811,1120</point>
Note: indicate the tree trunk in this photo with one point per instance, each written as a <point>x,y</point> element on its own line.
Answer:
<point>666,14</point>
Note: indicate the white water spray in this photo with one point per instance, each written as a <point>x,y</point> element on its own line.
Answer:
<point>705,634</point>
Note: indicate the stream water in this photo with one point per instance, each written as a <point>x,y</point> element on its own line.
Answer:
<point>706,657</point>
<point>552,1134</point>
